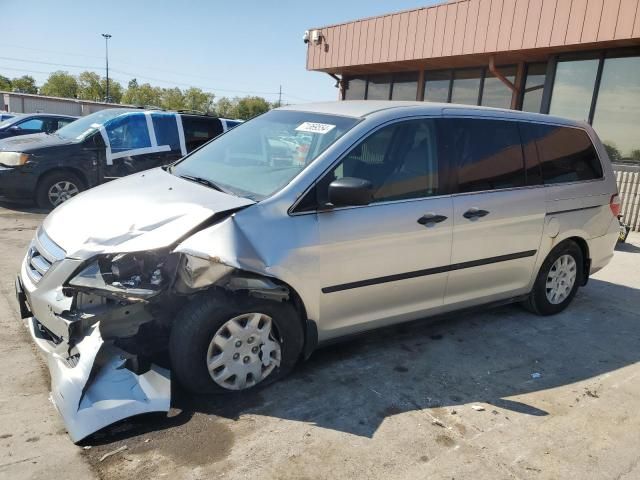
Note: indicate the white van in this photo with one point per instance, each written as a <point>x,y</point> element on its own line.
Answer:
<point>244,256</point>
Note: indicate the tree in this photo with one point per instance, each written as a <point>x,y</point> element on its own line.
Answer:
<point>115,90</point>
<point>612,151</point>
<point>196,99</point>
<point>249,107</point>
<point>60,84</point>
<point>90,87</point>
<point>172,99</point>
<point>24,84</point>
<point>5,83</point>
<point>144,95</point>
<point>226,108</point>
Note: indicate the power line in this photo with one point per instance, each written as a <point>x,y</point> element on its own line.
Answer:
<point>133,75</point>
<point>120,62</point>
<point>279,93</point>
<point>49,63</point>
<point>49,51</point>
<point>186,75</point>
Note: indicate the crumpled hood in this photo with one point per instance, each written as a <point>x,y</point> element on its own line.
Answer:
<point>145,211</point>
<point>32,142</point>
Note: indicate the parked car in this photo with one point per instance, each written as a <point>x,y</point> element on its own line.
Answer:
<point>97,148</point>
<point>241,266</point>
<point>6,116</point>
<point>33,123</point>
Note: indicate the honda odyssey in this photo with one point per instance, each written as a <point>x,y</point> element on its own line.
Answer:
<point>243,257</point>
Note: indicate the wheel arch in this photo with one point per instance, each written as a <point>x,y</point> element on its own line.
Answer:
<point>76,171</point>
<point>267,287</point>
<point>586,259</point>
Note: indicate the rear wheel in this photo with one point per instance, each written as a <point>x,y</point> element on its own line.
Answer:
<point>57,187</point>
<point>222,343</point>
<point>557,281</point>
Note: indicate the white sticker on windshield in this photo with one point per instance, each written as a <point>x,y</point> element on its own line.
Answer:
<point>311,127</point>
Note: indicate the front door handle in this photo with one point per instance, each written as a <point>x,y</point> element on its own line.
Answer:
<point>431,219</point>
<point>475,213</point>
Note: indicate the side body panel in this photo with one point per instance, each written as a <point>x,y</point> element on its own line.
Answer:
<point>507,240</point>
<point>379,266</point>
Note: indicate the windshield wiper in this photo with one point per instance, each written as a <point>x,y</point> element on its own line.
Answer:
<point>203,181</point>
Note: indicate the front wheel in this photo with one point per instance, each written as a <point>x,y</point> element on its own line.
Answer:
<point>56,188</point>
<point>222,343</point>
<point>557,281</point>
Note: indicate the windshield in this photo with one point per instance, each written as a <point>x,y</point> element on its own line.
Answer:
<point>259,157</point>
<point>85,126</point>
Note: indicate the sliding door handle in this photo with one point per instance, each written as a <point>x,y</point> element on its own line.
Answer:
<point>475,213</point>
<point>430,219</point>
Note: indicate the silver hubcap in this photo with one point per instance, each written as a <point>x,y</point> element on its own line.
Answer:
<point>243,351</point>
<point>61,192</point>
<point>561,279</point>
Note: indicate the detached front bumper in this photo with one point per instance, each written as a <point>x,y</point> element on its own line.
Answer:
<point>93,383</point>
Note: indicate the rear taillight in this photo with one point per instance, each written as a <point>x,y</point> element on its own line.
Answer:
<point>615,204</point>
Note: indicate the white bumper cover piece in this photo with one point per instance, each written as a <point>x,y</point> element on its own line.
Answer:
<point>91,398</point>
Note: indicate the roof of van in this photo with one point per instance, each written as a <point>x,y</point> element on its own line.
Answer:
<point>363,108</point>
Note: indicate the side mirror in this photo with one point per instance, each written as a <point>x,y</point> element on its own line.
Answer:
<point>349,191</point>
<point>14,128</point>
<point>94,141</point>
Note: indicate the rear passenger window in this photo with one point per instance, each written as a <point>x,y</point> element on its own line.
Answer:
<point>401,161</point>
<point>487,153</point>
<point>566,154</point>
<point>165,127</point>
<point>128,132</point>
<point>31,124</point>
<point>198,131</point>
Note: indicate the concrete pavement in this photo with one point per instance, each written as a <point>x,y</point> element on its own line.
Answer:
<point>558,398</point>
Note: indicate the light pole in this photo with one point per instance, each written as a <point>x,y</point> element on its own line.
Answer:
<point>106,46</point>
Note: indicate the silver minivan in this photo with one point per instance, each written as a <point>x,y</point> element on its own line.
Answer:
<point>304,225</point>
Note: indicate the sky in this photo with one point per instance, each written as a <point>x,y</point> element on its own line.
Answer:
<point>230,48</point>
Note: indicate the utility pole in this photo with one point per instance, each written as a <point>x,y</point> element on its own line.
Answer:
<point>280,97</point>
<point>106,46</point>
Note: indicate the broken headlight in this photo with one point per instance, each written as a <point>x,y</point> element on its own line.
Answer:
<point>141,274</point>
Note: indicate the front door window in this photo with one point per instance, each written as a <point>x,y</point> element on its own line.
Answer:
<point>400,161</point>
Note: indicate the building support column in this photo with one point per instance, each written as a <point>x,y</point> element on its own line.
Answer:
<point>515,91</point>
<point>520,80</point>
<point>420,94</point>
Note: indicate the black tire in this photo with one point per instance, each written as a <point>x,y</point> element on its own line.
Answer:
<point>538,302</point>
<point>195,326</point>
<point>51,179</point>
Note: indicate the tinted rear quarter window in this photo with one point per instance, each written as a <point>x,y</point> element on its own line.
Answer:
<point>166,130</point>
<point>487,154</point>
<point>198,130</point>
<point>566,154</point>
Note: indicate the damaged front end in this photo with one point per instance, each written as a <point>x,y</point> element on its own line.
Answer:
<point>103,323</point>
<point>101,331</point>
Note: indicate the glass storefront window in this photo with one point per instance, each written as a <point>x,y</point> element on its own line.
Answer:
<point>356,88</point>
<point>495,93</point>
<point>573,89</point>
<point>466,87</point>
<point>379,87</point>
<point>436,86</point>
<point>405,86</point>
<point>534,87</point>
<point>617,113</point>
